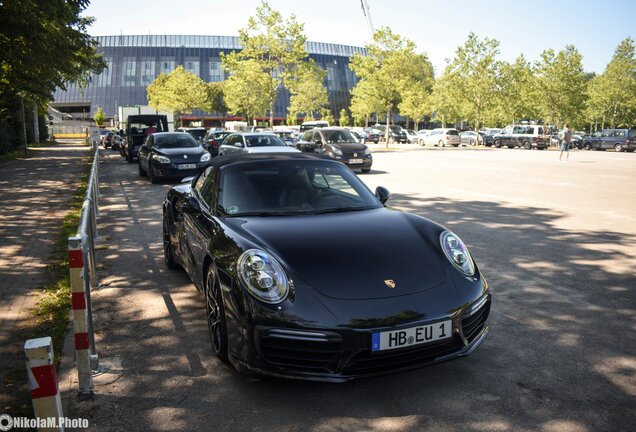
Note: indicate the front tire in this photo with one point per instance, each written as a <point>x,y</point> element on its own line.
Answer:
<point>618,148</point>
<point>216,316</point>
<point>168,251</point>
<point>497,144</point>
<point>142,173</point>
<point>440,143</point>
<point>151,174</point>
<point>527,145</point>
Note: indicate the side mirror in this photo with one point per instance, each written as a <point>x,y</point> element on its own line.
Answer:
<point>191,205</point>
<point>382,194</point>
<point>318,143</point>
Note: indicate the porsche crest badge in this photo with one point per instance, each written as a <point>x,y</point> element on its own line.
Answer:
<point>390,283</point>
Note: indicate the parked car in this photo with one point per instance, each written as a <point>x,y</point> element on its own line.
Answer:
<point>361,133</point>
<point>338,144</point>
<point>442,137</point>
<point>488,135</point>
<point>411,136</point>
<point>421,134</point>
<point>525,136</point>
<point>471,138</point>
<point>373,135</point>
<point>213,140</point>
<point>286,135</point>
<point>170,155</point>
<point>198,133</point>
<point>306,275</point>
<point>138,128</point>
<point>396,133</point>
<point>107,141</point>
<point>618,139</point>
<point>254,142</point>
<point>308,125</point>
<point>116,142</point>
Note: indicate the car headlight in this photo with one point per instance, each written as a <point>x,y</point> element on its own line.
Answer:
<point>205,157</point>
<point>457,253</point>
<point>367,151</point>
<point>336,151</point>
<point>161,159</point>
<point>263,276</point>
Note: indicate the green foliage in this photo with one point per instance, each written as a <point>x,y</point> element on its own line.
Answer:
<point>243,90</point>
<point>612,95</point>
<point>180,92</point>
<point>417,88</point>
<point>365,101</point>
<point>560,86</point>
<point>272,47</point>
<point>444,103</point>
<point>327,115</point>
<point>99,116</point>
<point>308,93</point>
<point>215,98</point>
<point>44,45</point>
<point>291,120</point>
<point>517,97</point>
<point>344,119</point>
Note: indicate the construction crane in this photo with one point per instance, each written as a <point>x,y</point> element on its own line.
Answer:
<point>367,15</point>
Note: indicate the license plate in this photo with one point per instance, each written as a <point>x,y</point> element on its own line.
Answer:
<point>355,161</point>
<point>186,166</point>
<point>411,336</point>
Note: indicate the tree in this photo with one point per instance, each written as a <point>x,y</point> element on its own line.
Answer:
<point>180,92</point>
<point>612,95</point>
<point>560,86</point>
<point>243,89</point>
<point>43,46</point>
<point>327,115</point>
<point>517,97</point>
<point>272,45</point>
<point>445,102</point>
<point>99,116</point>
<point>364,102</point>
<point>215,99</point>
<point>417,89</point>
<point>385,70</point>
<point>343,119</point>
<point>308,93</point>
<point>474,72</point>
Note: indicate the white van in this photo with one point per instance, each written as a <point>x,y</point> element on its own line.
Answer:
<point>308,125</point>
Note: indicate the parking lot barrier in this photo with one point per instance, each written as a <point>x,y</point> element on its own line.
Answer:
<point>43,381</point>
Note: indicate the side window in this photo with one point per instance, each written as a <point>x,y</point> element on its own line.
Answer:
<point>204,186</point>
<point>308,136</point>
<point>540,131</point>
<point>230,140</point>
<point>518,130</point>
<point>619,133</point>
<point>605,134</point>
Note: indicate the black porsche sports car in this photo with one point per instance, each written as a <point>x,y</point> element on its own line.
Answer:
<point>306,274</point>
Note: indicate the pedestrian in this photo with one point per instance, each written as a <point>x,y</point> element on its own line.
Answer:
<point>566,139</point>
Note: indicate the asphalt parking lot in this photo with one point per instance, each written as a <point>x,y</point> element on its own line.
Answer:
<point>556,240</point>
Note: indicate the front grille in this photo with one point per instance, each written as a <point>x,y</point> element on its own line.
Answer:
<point>368,362</point>
<point>300,350</point>
<point>473,323</point>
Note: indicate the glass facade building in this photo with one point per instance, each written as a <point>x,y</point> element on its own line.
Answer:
<point>135,61</point>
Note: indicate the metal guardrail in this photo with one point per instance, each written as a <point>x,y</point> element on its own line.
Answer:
<point>81,249</point>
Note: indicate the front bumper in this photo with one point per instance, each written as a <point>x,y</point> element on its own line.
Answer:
<point>172,171</point>
<point>338,355</point>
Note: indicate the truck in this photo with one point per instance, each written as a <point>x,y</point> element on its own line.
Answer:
<point>236,126</point>
<point>121,121</point>
<point>138,127</point>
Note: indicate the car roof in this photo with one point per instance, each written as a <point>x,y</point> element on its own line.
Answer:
<point>169,133</point>
<point>222,161</point>
<point>251,134</point>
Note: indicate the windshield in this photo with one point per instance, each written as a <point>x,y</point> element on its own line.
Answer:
<point>338,136</point>
<point>396,129</point>
<point>197,133</point>
<point>263,141</point>
<point>177,140</point>
<point>291,187</point>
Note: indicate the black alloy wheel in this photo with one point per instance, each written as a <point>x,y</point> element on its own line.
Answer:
<point>151,174</point>
<point>216,316</point>
<point>168,251</point>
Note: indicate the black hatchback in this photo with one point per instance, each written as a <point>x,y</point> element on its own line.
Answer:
<point>339,144</point>
<point>171,155</point>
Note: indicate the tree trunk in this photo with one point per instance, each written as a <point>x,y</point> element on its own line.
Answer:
<point>386,134</point>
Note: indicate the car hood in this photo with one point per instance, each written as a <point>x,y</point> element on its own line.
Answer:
<point>351,255</point>
<point>350,147</point>
<point>272,149</point>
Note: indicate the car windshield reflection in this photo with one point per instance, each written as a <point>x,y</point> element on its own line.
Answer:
<point>285,188</point>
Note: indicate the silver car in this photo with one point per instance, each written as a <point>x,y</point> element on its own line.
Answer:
<point>264,142</point>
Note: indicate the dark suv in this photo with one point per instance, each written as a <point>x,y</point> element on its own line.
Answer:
<point>138,127</point>
<point>396,134</point>
<point>525,136</point>
<point>338,144</point>
<point>617,139</point>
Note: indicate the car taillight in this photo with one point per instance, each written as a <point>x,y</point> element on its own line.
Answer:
<point>447,137</point>
<point>536,139</point>
<point>213,143</point>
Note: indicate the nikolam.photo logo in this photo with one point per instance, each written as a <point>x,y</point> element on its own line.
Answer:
<point>7,422</point>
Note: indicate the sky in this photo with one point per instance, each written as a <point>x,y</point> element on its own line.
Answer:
<point>437,27</point>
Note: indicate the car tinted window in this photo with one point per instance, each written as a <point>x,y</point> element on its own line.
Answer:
<point>292,187</point>
<point>263,141</point>
<point>338,136</point>
<point>197,133</point>
<point>179,140</point>
<point>452,132</point>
